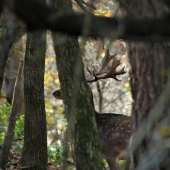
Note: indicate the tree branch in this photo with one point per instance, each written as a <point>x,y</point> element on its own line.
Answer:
<point>39,16</point>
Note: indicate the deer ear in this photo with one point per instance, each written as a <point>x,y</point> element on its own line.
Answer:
<point>105,67</point>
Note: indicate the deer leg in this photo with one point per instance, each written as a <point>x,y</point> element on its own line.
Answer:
<point>113,163</point>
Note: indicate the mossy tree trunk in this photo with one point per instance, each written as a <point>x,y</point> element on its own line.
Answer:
<point>78,108</point>
<point>34,152</point>
<point>150,71</point>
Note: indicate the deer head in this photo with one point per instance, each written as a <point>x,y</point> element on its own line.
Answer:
<point>114,129</point>
<point>109,71</point>
<point>57,94</point>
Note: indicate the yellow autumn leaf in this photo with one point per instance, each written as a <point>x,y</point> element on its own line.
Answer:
<point>99,10</point>
<point>130,94</point>
<point>97,14</point>
<point>103,54</point>
<point>127,85</point>
<point>165,131</point>
<point>108,14</point>
<point>103,12</point>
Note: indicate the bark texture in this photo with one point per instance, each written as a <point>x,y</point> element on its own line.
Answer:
<point>149,74</point>
<point>148,77</point>
<point>12,120</point>
<point>7,38</point>
<point>78,109</point>
<point>14,57</point>
<point>35,134</point>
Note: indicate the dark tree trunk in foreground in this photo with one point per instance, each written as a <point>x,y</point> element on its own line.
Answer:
<point>78,109</point>
<point>150,71</point>
<point>34,152</point>
<point>35,135</point>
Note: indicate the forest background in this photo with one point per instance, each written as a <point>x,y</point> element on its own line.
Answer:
<point>149,74</point>
<point>109,96</point>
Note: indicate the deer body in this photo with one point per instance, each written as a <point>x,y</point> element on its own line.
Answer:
<point>114,134</point>
<point>114,129</point>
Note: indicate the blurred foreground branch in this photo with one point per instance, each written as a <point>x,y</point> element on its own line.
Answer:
<point>39,16</point>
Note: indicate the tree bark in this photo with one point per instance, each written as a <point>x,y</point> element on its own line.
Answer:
<point>12,120</point>
<point>34,152</point>
<point>148,77</point>
<point>149,74</point>
<point>78,109</point>
<point>6,40</point>
<point>14,57</point>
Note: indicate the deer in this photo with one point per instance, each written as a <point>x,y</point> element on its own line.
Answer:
<point>114,129</point>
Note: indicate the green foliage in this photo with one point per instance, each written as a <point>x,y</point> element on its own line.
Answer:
<point>2,136</point>
<point>19,127</point>
<point>55,155</point>
<point>58,152</point>
<point>4,114</point>
<point>5,111</point>
<point>122,164</point>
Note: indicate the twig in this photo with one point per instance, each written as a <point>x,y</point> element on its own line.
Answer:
<point>117,98</point>
<point>89,5</point>
<point>82,6</point>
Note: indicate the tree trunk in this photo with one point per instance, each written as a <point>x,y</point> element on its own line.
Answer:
<point>148,77</point>
<point>12,120</point>
<point>150,71</point>
<point>7,38</point>
<point>78,109</point>
<point>15,55</point>
<point>35,134</point>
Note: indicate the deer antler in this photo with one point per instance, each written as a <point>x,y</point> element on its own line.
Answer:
<point>109,70</point>
<point>105,67</point>
<point>91,78</point>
